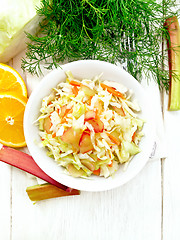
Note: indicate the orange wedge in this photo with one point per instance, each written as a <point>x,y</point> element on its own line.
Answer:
<point>11,119</point>
<point>11,81</point>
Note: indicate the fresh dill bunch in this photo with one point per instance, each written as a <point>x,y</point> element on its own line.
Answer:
<point>126,31</point>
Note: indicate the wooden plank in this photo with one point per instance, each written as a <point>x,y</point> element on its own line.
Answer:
<point>5,199</point>
<point>171,172</point>
<point>171,210</point>
<point>132,211</point>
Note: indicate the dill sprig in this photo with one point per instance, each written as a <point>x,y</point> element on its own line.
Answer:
<point>126,31</point>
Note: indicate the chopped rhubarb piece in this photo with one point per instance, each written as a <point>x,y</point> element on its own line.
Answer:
<point>47,191</point>
<point>173,43</point>
<point>89,115</point>
<point>120,111</point>
<point>99,107</point>
<point>97,124</point>
<point>67,136</point>
<point>26,163</point>
<point>72,137</point>
<point>85,143</point>
<point>87,131</point>
<point>88,164</point>
<point>88,91</point>
<point>47,124</point>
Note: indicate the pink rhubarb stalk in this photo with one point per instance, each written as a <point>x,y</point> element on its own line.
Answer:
<point>173,44</point>
<point>26,163</point>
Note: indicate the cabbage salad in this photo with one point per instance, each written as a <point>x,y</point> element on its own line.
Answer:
<point>90,126</point>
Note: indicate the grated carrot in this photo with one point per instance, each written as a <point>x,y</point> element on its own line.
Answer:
<point>75,83</point>
<point>112,90</point>
<point>113,139</point>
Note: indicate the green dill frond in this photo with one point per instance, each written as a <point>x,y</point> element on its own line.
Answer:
<point>125,31</point>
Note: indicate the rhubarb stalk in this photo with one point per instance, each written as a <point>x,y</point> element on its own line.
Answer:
<point>173,44</point>
<point>26,163</point>
<point>46,191</point>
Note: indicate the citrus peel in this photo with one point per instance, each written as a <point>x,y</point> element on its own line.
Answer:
<point>11,81</point>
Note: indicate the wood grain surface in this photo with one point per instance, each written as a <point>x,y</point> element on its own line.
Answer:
<point>146,208</point>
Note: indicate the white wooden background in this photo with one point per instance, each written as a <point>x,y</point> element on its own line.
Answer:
<point>137,210</point>
<point>146,208</point>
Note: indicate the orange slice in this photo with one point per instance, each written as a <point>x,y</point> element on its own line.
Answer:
<point>11,120</point>
<point>11,81</point>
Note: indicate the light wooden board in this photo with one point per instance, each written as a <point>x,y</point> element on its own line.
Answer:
<point>5,201</point>
<point>171,209</point>
<point>132,211</point>
<point>171,173</point>
<point>129,212</point>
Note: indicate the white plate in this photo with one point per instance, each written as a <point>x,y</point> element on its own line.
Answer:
<point>88,69</point>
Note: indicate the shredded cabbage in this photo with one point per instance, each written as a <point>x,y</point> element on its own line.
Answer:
<point>89,128</point>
